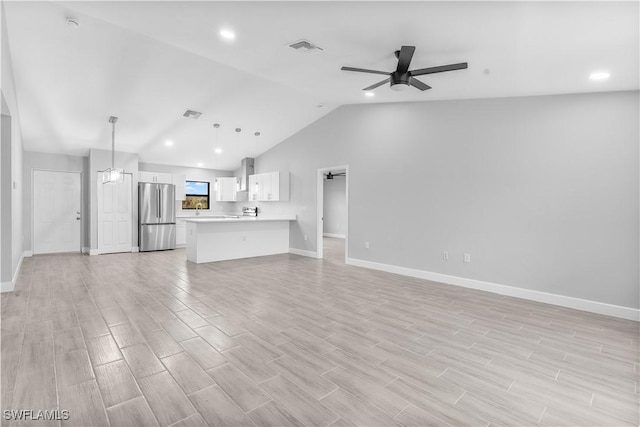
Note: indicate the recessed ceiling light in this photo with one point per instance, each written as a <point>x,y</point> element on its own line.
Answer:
<point>227,34</point>
<point>168,143</point>
<point>218,150</point>
<point>599,75</point>
<point>369,94</point>
<point>200,164</point>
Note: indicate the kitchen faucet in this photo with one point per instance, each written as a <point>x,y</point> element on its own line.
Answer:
<point>198,206</point>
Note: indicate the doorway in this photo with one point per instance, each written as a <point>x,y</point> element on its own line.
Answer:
<point>333,213</point>
<point>57,220</point>
<point>115,211</point>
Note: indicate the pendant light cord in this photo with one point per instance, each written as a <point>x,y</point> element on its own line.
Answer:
<point>113,145</point>
<point>113,120</point>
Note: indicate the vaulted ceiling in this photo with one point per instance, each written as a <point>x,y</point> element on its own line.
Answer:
<point>147,62</point>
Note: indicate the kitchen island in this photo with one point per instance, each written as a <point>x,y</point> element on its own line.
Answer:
<point>219,239</point>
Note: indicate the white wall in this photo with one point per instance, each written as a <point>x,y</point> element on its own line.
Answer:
<point>11,186</point>
<point>5,207</point>
<point>196,174</point>
<point>57,162</point>
<point>335,206</point>
<point>543,192</point>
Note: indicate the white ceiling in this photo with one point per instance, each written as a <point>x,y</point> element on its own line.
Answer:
<point>147,62</point>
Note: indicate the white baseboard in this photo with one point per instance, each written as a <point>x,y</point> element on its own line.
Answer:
<point>339,236</point>
<point>10,286</point>
<point>545,297</point>
<point>27,254</point>
<point>85,250</point>
<point>135,249</point>
<point>93,252</point>
<point>310,254</point>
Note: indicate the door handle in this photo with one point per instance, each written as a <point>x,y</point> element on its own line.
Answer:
<point>78,218</point>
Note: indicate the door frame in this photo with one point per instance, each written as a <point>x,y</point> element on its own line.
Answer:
<point>33,194</point>
<point>320,210</point>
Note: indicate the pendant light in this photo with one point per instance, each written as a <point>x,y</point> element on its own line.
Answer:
<point>113,175</point>
<point>239,186</point>
<point>255,152</point>
<point>217,150</point>
<point>238,130</point>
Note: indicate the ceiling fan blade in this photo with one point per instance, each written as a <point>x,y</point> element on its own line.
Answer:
<point>363,70</point>
<point>440,69</point>
<point>404,59</point>
<point>418,84</point>
<point>373,86</point>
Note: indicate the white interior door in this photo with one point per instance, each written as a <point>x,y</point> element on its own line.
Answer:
<point>56,211</point>
<point>114,216</point>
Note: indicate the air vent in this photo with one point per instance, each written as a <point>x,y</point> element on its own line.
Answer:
<point>304,46</point>
<point>192,114</point>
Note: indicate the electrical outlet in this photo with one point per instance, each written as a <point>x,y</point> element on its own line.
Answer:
<point>445,255</point>
<point>305,237</point>
<point>467,257</point>
<point>366,245</point>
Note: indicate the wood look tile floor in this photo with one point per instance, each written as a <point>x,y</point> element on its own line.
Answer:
<point>149,339</point>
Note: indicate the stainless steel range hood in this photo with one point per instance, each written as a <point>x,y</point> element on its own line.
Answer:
<point>246,168</point>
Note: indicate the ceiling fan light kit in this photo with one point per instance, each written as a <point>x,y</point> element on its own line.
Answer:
<point>402,77</point>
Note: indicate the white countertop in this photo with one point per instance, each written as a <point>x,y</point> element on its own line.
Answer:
<point>203,215</point>
<point>204,220</point>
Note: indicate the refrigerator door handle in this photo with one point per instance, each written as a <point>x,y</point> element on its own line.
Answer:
<point>159,205</point>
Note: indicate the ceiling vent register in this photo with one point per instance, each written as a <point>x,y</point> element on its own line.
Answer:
<point>304,46</point>
<point>192,114</point>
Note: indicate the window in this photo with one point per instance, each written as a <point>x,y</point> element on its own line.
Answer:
<point>197,195</point>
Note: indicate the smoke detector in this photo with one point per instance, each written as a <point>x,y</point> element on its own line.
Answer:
<point>304,46</point>
<point>192,114</point>
<point>73,23</point>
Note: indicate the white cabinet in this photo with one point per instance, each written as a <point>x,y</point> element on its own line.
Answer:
<point>157,177</point>
<point>252,188</point>
<point>269,187</point>
<point>179,181</point>
<point>165,178</point>
<point>226,189</point>
<point>181,232</point>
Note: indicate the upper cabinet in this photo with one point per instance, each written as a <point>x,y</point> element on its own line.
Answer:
<point>155,177</point>
<point>179,181</point>
<point>269,187</point>
<point>165,178</point>
<point>226,189</point>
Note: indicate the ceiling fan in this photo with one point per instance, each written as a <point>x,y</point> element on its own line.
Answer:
<point>331,175</point>
<point>401,78</point>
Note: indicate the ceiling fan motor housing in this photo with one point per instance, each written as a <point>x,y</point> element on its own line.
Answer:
<point>400,81</point>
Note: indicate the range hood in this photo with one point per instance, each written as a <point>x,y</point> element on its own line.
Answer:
<point>246,168</point>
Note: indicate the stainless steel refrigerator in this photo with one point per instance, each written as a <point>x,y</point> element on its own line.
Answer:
<point>157,216</point>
